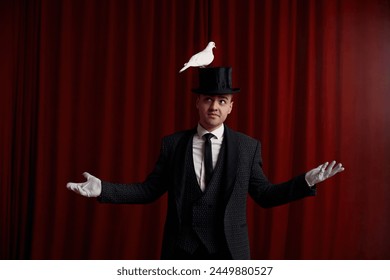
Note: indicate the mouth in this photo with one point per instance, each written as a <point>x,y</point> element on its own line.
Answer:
<point>213,115</point>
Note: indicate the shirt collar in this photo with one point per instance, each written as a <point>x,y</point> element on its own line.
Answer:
<point>218,133</point>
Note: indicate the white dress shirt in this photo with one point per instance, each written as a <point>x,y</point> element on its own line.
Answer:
<point>198,151</point>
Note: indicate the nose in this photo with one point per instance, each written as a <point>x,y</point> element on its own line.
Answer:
<point>213,106</point>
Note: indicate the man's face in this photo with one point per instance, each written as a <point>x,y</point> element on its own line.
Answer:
<point>213,110</point>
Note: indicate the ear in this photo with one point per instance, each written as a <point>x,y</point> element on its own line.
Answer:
<point>230,107</point>
<point>197,102</point>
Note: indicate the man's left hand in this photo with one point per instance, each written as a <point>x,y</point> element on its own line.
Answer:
<point>323,172</point>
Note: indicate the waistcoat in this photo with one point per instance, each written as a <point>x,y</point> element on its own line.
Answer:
<point>202,212</point>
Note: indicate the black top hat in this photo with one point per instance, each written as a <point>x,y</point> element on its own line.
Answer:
<point>215,81</point>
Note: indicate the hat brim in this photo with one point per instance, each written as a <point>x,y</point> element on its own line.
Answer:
<point>215,92</point>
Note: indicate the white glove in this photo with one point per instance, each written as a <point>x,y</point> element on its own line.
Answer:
<point>323,172</point>
<point>91,188</point>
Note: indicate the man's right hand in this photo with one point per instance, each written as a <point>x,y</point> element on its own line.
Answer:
<point>91,188</point>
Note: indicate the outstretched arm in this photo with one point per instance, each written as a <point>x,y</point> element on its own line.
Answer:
<point>267,194</point>
<point>152,188</point>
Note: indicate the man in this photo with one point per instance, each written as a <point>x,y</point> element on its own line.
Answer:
<point>208,172</point>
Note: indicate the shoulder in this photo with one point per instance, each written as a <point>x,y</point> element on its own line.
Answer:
<point>241,137</point>
<point>174,138</point>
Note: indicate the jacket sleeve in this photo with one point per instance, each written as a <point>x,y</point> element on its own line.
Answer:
<point>267,194</point>
<point>151,189</point>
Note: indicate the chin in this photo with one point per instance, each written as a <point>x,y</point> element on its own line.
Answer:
<point>213,126</point>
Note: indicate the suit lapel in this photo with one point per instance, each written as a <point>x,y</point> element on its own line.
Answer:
<point>179,164</point>
<point>231,161</point>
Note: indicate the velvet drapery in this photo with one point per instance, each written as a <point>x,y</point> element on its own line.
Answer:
<point>94,85</point>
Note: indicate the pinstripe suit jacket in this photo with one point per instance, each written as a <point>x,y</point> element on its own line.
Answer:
<point>244,175</point>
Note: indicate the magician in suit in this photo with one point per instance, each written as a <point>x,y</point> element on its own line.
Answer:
<point>208,171</point>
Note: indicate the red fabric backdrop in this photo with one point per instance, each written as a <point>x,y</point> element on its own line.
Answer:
<point>94,85</point>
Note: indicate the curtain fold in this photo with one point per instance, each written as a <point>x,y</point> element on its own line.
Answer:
<point>19,124</point>
<point>94,86</point>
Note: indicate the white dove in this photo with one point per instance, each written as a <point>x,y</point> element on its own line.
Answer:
<point>201,59</point>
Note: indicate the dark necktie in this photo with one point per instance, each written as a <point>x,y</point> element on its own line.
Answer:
<point>208,157</point>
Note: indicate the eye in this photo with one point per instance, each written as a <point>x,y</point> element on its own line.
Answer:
<point>222,102</point>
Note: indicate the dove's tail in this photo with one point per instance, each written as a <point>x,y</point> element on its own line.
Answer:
<point>184,68</point>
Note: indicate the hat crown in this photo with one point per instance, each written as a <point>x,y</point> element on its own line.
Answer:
<point>215,80</point>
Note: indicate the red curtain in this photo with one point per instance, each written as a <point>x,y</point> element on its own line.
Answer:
<point>94,85</point>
